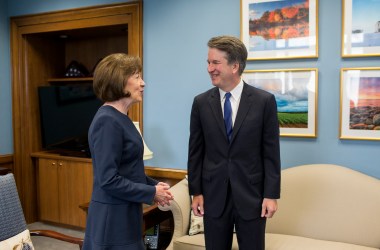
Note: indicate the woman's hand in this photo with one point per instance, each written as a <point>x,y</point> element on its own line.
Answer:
<point>163,196</point>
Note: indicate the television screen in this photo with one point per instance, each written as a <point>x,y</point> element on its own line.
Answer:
<point>66,114</point>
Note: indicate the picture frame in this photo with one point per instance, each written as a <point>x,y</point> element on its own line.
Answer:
<point>296,93</point>
<point>360,103</point>
<point>272,29</point>
<point>360,28</point>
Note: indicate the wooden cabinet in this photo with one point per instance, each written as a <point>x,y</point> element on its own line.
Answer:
<point>48,197</point>
<point>42,46</point>
<point>63,183</point>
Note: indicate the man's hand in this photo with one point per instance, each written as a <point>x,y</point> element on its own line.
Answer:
<point>197,205</point>
<point>269,207</point>
<point>163,196</point>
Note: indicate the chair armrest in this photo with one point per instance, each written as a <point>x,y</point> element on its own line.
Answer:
<point>180,207</point>
<point>58,236</point>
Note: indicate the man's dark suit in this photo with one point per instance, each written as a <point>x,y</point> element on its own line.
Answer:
<point>250,164</point>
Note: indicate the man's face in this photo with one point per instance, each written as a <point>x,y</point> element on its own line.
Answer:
<point>221,73</point>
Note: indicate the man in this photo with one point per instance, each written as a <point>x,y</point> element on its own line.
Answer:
<point>234,154</point>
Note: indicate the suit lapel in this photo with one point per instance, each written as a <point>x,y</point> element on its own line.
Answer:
<point>244,106</point>
<point>216,107</point>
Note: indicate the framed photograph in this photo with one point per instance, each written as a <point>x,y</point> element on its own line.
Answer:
<point>361,28</point>
<point>360,104</point>
<point>296,93</point>
<point>273,29</point>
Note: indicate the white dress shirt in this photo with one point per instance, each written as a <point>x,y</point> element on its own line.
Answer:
<point>234,99</point>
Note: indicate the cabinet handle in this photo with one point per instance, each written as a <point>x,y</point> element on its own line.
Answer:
<point>60,164</point>
<point>53,163</point>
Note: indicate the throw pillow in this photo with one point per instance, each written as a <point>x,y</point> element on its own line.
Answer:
<point>196,224</point>
<point>20,241</point>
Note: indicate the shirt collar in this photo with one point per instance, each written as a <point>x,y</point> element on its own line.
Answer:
<point>236,92</point>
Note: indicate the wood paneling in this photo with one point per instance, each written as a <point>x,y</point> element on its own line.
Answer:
<point>96,48</point>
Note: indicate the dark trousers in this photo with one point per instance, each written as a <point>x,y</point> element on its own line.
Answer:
<point>219,231</point>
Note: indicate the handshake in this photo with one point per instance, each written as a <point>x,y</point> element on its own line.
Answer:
<point>163,196</point>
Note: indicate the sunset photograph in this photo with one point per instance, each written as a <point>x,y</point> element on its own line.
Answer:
<point>365,103</point>
<point>278,20</point>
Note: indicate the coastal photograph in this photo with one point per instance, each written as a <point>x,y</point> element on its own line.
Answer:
<point>360,103</point>
<point>364,103</point>
<point>365,23</point>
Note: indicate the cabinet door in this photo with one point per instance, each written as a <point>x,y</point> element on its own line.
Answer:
<point>75,188</point>
<point>48,190</point>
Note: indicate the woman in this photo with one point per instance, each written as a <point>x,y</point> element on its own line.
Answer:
<point>120,185</point>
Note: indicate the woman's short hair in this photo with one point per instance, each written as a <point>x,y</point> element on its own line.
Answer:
<point>111,75</point>
<point>234,48</point>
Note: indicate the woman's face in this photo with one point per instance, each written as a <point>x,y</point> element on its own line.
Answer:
<point>135,85</point>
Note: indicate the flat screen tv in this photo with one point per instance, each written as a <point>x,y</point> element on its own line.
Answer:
<point>66,114</point>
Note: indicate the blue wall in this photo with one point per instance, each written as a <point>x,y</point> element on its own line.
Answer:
<point>25,7</point>
<point>175,51</point>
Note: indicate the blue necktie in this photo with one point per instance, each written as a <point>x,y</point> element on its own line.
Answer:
<point>228,116</point>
